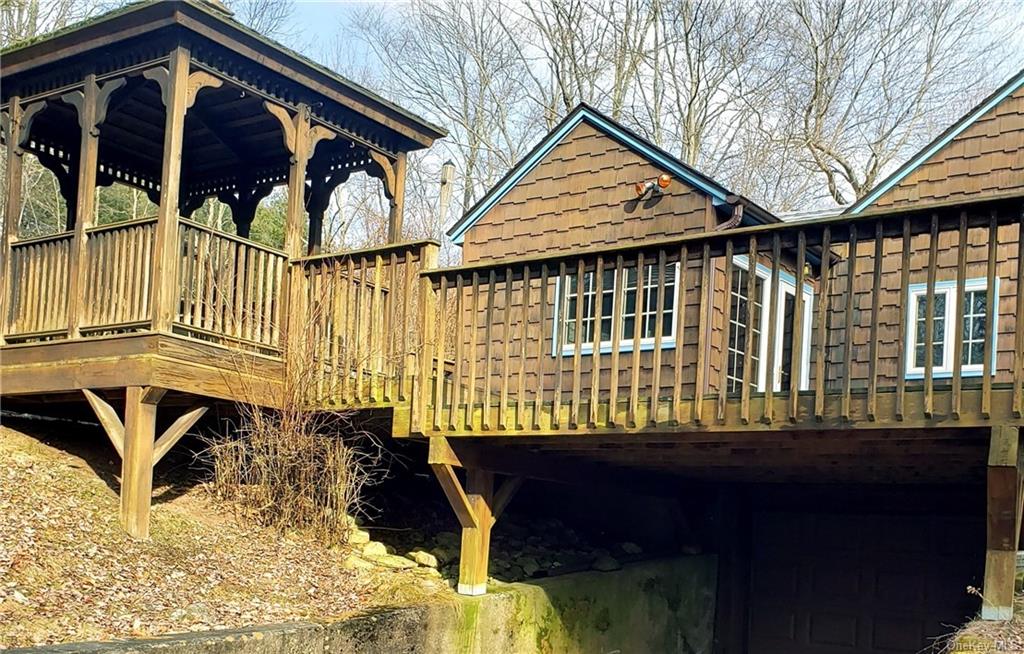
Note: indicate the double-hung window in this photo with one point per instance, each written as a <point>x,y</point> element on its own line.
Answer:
<point>944,314</point>
<point>753,313</point>
<point>569,335</point>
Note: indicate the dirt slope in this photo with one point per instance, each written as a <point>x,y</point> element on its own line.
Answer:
<point>68,573</point>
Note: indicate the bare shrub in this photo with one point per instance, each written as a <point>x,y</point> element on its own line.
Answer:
<point>286,462</point>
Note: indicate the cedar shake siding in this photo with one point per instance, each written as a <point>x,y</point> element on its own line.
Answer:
<point>581,196</point>
<point>985,160</point>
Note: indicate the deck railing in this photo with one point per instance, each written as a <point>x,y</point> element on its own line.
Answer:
<point>231,289</point>
<point>37,298</point>
<point>360,313</point>
<point>118,264</point>
<point>533,349</point>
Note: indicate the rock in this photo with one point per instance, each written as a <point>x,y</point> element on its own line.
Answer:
<point>392,561</point>
<point>358,537</point>
<point>199,612</point>
<point>515,573</point>
<point>427,572</point>
<point>374,548</point>
<point>631,548</point>
<point>448,539</point>
<point>425,559</point>
<point>528,564</point>
<point>606,563</point>
<point>354,562</point>
<point>445,554</point>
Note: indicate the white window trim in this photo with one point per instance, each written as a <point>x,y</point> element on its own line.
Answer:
<point>668,342</point>
<point>947,288</point>
<point>787,284</point>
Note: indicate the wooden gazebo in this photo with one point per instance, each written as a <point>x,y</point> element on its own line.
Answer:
<point>181,101</point>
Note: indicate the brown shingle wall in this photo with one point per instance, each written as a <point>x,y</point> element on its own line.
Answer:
<point>985,159</point>
<point>888,321</point>
<point>581,195</point>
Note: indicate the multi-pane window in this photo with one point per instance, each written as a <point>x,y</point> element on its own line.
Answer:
<point>744,314</point>
<point>753,315</point>
<point>975,301</point>
<point>589,313</point>
<point>626,286</point>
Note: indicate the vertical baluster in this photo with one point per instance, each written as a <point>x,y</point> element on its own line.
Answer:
<point>702,319</point>
<point>524,322</point>
<point>251,282</point>
<point>439,342</point>
<point>901,358</point>
<point>1018,348</point>
<point>768,414</point>
<point>723,383</point>
<point>391,333</point>
<point>33,304</point>
<point>659,335</point>
<point>488,348</point>
<point>42,297</point>
<point>474,328</point>
<point>560,326</point>
<point>200,282</point>
<point>360,337</point>
<point>680,337</point>
<point>337,327</point>
<point>851,301</point>
<point>404,334</point>
<point>958,326</point>
<point>577,355</point>
<point>876,295</point>
<point>635,357</point>
<point>277,296</point>
<point>748,345</point>
<point>377,339</point>
<point>460,316</point>
<point>929,321</point>
<point>618,285</point>
<point>506,339</point>
<point>991,306</point>
<point>259,285</point>
<point>538,396</point>
<point>238,292</point>
<point>348,284</point>
<point>595,355</point>
<point>796,366</point>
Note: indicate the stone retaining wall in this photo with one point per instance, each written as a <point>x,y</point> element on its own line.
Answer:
<point>655,606</point>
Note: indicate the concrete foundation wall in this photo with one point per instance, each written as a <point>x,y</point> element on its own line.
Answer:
<point>657,606</point>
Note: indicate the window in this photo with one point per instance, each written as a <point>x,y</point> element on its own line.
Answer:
<point>753,313</point>
<point>626,285</point>
<point>944,328</point>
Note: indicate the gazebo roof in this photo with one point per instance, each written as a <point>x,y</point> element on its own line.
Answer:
<point>103,35</point>
<point>228,133</point>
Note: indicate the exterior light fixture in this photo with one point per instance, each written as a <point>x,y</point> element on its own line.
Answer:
<point>664,180</point>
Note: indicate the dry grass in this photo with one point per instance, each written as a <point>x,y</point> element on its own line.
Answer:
<point>989,637</point>
<point>69,573</point>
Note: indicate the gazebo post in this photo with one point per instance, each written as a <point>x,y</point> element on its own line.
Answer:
<point>174,90</point>
<point>12,208</point>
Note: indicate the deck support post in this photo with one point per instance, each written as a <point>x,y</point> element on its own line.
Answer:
<point>477,507</point>
<point>1003,522</point>
<point>12,207</point>
<point>136,443</point>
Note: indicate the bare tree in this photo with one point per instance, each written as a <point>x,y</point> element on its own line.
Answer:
<point>271,18</point>
<point>868,81</point>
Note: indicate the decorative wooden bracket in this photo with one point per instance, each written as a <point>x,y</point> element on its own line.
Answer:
<point>243,203</point>
<point>392,173</point>
<point>197,81</point>
<point>103,93</point>
<point>297,131</point>
<point>67,181</point>
<point>152,395</point>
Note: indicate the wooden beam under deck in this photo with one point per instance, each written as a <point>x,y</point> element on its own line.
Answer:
<point>167,361</point>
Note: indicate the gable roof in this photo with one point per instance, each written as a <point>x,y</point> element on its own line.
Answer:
<point>941,141</point>
<point>143,16</point>
<point>638,144</point>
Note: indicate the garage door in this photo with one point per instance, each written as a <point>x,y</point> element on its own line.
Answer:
<point>855,584</point>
